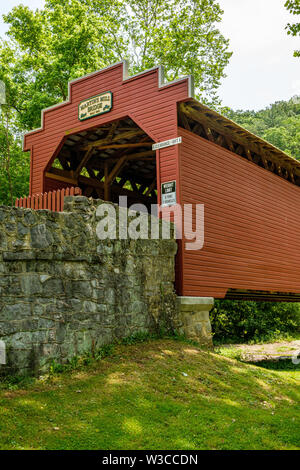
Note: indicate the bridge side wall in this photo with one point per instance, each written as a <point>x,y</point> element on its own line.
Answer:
<point>251,224</point>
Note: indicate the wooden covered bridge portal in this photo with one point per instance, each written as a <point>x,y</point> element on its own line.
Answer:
<point>101,141</point>
<point>108,161</point>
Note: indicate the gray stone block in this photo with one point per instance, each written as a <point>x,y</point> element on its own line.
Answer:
<point>193,318</point>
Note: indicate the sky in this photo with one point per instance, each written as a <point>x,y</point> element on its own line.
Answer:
<point>262,69</point>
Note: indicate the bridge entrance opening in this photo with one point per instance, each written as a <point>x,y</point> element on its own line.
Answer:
<point>115,159</point>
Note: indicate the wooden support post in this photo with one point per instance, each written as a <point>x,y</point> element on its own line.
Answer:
<point>142,188</point>
<point>249,155</point>
<point>198,129</point>
<point>240,150</point>
<point>134,186</point>
<point>151,187</point>
<point>220,140</point>
<point>291,173</point>
<point>184,119</point>
<point>229,144</point>
<point>208,133</point>
<point>279,171</point>
<point>84,161</point>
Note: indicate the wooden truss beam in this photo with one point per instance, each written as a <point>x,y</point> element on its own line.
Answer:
<point>284,168</point>
<point>115,188</point>
<point>149,154</point>
<point>208,132</point>
<point>111,142</point>
<point>229,144</point>
<point>84,161</point>
<point>62,175</point>
<point>151,187</point>
<point>66,177</point>
<point>249,155</point>
<point>123,135</point>
<point>183,118</point>
<point>122,146</point>
<point>209,123</point>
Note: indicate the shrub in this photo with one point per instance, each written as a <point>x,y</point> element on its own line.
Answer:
<point>235,320</point>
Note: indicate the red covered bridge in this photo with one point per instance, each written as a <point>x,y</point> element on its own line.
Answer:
<point>101,141</point>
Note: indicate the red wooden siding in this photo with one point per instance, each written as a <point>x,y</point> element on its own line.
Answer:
<point>252,217</point>
<point>52,200</point>
<point>140,98</point>
<point>252,223</point>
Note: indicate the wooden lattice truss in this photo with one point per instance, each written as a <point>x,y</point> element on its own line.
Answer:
<point>207,123</point>
<point>112,160</point>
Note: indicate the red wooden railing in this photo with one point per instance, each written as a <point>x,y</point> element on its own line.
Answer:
<point>53,200</point>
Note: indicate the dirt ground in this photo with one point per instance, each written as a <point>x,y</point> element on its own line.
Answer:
<point>271,351</point>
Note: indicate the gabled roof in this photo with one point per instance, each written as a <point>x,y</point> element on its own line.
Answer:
<point>126,77</point>
<point>210,124</point>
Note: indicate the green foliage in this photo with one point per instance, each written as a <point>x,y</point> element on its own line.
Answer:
<point>286,364</point>
<point>293,6</point>
<point>90,357</point>
<point>279,124</point>
<point>79,362</point>
<point>15,382</point>
<point>140,337</point>
<point>66,39</point>
<point>182,35</point>
<point>14,164</point>
<point>103,352</point>
<point>47,48</point>
<point>243,321</point>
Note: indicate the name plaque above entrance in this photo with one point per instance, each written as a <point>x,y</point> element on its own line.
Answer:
<point>95,105</point>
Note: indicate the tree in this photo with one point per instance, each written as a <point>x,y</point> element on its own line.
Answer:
<point>235,321</point>
<point>14,164</point>
<point>46,48</point>
<point>279,124</point>
<point>293,6</point>
<point>14,174</point>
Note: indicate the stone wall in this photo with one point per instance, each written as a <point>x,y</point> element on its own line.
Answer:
<point>64,292</point>
<point>192,319</point>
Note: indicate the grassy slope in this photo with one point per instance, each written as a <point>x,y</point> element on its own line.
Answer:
<point>138,398</point>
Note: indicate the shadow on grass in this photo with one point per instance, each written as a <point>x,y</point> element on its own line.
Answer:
<point>284,364</point>
<point>162,394</point>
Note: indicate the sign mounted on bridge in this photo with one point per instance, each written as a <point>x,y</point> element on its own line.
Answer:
<point>168,194</point>
<point>167,143</point>
<point>95,105</point>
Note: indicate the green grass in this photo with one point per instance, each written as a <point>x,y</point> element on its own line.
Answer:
<point>139,397</point>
